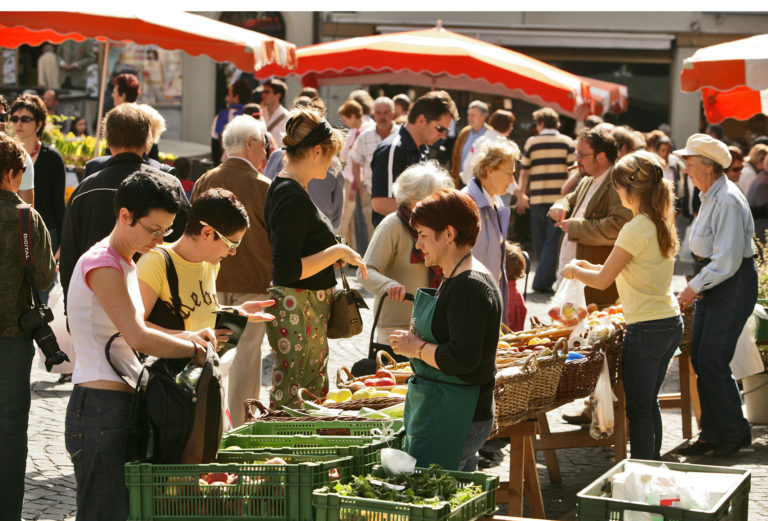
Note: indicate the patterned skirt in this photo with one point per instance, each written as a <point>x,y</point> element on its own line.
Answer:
<point>299,343</point>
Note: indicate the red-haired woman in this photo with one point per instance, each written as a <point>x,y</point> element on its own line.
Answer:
<point>449,406</point>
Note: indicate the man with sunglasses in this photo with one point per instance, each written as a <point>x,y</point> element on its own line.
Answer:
<point>27,188</point>
<point>246,276</point>
<point>89,216</point>
<point>428,121</point>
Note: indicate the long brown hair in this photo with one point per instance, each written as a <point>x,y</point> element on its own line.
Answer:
<point>641,175</point>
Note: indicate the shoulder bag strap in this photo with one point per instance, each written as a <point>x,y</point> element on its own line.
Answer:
<point>107,348</point>
<point>276,122</point>
<point>383,297</point>
<point>395,143</point>
<point>173,281</point>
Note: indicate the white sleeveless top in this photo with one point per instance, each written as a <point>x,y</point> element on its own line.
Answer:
<point>89,325</point>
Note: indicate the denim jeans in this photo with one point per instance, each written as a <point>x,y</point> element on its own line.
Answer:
<point>16,355</point>
<point>96,436</point>
<point>718,320</point>
<point>546,243</point>
<point>478,435</point>
<point>648,348</point>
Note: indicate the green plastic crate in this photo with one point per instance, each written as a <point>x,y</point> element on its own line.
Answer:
<point>263,492</point>
<point>595,504</point>
<point>323,428</point>
<point>330,506</point>
<point>365,451</point>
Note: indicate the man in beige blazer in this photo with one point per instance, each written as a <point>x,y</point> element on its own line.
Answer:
<point>592,215</point>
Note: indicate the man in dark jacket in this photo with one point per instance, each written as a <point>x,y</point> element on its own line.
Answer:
<point>90,216</point>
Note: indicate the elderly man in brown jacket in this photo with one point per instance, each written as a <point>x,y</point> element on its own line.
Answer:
<point>244,276</point>
<point>592,215</point>
<point>477,113</point>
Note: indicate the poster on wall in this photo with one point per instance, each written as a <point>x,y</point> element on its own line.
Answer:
<point>159,71</point>
<point>9,66</point>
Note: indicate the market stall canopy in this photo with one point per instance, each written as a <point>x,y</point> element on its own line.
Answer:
<point>728,65</point>
<point>194,34</point>
<point>607,96</point>
<point>439,59</point>
<point>740,103</point>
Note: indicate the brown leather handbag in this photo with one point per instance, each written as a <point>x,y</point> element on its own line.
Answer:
<point>345,320</point>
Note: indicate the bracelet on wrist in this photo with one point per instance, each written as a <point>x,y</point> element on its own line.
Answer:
<point>421,348</point>
<point>194,350</point>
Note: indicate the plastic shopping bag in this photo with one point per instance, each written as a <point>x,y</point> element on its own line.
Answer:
<point>601,402</point>
<point>746,359</point>
<point>59,328</point>
<point>569,307</point>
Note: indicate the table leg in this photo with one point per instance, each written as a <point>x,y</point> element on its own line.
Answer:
<point>516,475</point>
<point>684,361</point>
<point>531,480</point>
<point>620,423</point>
<point>550,456</point>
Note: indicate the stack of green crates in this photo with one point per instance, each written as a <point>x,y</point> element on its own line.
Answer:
<point>596,504</point>
<point>330,506</point>
<point>265,492</point>
<point>309,427</point>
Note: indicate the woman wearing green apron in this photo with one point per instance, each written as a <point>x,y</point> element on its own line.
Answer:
<point>455,330</point>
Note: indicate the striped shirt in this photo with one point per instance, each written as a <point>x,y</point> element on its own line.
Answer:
<point>547,157</point>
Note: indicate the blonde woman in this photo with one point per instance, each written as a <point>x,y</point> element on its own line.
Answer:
<point>304,251</point>
<point>642,264</point>
<point>494,170</point>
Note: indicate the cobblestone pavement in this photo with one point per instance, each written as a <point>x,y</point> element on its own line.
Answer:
<point>50,482</point>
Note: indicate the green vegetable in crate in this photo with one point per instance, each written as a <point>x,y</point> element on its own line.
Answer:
<point>433,487</point>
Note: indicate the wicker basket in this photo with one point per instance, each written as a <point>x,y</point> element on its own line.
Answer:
<point>401,371</point>
<point>545,381</point>
<point>685,343</point>
<point>354,405</point>
<point>511,394</point>
<point>579,377</point>
<point>269,415</point>
<point>346,380</point>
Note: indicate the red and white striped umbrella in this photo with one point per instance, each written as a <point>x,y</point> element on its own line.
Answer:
<point>740,103</point>
<point>741,63</point>
<point>438,58</point>
<point>607,96</point>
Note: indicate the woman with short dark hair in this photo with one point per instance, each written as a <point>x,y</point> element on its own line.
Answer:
<point>455,330</point>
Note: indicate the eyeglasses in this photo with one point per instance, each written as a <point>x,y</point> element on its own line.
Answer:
<point>441,129</point>
<point>232,245</point>
<point>155,234</point>
<point>4,117</point>
<point>579,155</point>
<point>23,119</point>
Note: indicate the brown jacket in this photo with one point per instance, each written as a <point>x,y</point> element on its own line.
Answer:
<point>595,233</point>
<point>250,270</point>
<point>456,165</point>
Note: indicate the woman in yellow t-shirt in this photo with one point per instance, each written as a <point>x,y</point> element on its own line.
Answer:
<point>642,264</point>
<point>216,225</point>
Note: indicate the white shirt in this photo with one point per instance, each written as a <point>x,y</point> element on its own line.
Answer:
<point>278,130</point>
<point>363,149</point>
<point>568,247</point>
<point>89,324</point>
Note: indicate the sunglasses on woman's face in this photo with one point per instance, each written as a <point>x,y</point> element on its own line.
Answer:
<point>23,119</point>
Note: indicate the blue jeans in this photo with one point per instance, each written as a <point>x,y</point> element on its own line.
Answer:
<point>96,436</point>
<point>478,435</point>
<point>717,323</point>
<point>648,348</point>
<point>546,243</point>
<point>16,355</point>
<point>361,227</point>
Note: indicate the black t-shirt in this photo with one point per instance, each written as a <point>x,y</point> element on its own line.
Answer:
<point>406,154</point>
<point>466,325</point>
<point>296,229</point>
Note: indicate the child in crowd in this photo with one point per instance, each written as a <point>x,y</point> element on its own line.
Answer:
<point>515,267</point>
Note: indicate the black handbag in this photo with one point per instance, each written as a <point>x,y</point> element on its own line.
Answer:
<point>367,366</point>
<point>345,320</point>
<point>164,314</point>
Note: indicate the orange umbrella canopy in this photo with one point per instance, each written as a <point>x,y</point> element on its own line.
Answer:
<point>194,34</point>
<point>438,58</point>
<point>740,103</point>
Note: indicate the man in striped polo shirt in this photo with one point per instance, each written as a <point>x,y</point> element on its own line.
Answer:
<point>545,162</point>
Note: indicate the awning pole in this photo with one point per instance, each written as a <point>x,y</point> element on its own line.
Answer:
<point>102,87</point>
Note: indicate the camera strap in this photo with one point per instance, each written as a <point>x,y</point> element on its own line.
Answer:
<point>25,237</point>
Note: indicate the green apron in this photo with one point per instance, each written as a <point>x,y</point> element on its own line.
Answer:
<point>438,407</point>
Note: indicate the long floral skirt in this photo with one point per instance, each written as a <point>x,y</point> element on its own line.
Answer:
<point>299,343</point>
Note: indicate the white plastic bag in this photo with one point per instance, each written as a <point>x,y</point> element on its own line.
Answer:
<point>746,359</point>
<point>396,462</point>
<point>59,327</point>
<point>569,307</point>
<point>601,402</point>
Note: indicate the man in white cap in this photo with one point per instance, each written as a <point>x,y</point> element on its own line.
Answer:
<point>724,291</point>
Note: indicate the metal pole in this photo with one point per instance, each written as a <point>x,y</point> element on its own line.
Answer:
<point>102,87</point>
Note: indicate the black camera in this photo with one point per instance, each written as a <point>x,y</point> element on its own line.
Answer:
<point>35,321</point>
